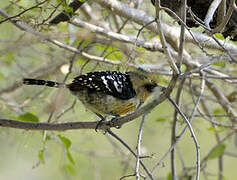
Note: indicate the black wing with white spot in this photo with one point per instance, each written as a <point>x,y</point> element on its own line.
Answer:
<point>113,83</point>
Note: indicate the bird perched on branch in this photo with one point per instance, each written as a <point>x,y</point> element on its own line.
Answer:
<point>107,92</point>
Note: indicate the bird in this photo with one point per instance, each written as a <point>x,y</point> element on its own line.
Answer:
<point>107,93</point>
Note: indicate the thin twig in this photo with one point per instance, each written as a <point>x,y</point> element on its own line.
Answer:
<point>173,135</point>
<point>233,59</point>
<point>198,69</point>
<point>193,136</point>
<point>139,139</point>
<point>126,176</point>
<point>130,149</point>
<point>205,158</point>
<point>226,18</point>
<point>52,13</point>
<point>210,13</point>
<point>117,36</point>
<point>171,61</point>
<point>210,119</point>
<point>181,134</point>
<point>66,110</point>
<point>198,42</point>
<point>220,158</point>
<point>223,101</point>
<point>182,32</point>
<point>19,14</point>
<point>199,97</point>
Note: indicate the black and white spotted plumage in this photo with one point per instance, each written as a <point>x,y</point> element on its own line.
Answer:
<point>107,92</point>
<point>113,83</point>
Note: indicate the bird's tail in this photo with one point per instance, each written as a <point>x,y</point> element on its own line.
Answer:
<point>39,82</point>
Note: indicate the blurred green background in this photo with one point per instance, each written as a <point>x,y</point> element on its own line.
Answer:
<point>84,154</point>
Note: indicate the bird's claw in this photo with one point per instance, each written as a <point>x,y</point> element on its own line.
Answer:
<point>113,121</point>
<point>99,123</point>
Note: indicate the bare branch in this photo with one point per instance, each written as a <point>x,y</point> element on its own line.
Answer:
<point>174,124</point>
<point>117,36</point>
<point>163,40</point>
<point>193,136</point>
<point>19,14</point>
<point>205,158</point>
<point>139,139</point>
<point>223,101</point>
<point>134,154</point>
<point>210,13</point>
<point>182,32</point>
<point>226,19</point>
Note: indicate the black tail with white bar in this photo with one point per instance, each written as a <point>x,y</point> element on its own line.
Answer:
<point>40,82</point>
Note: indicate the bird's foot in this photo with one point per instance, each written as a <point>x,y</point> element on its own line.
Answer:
<point>113,122</point>
<point>99,123</point>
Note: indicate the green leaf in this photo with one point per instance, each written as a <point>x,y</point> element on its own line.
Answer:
<point>161,119</point>
<point>63,4</point>
<point>67,142</point>
<point>69,169</point>
<point>82,0</point>
<point>70,158</point>
<point>105,12</point>
<point>219,36</point>
<point>9,57</point>
<point>81,61</point>
<point>162,80</point>
<point>48,137</point>
<point>28,117</point>
<point>219,64</point>
<point>183,68</point>
<point>141,49</point>
<point>218,111</point>
<point>2,76</point>
<point>216,129</point>
<point>116,56</point>
<point>150,36</point>
<point>218,151</point>
<point>69,10</point>
<point>41,156</point>
<point>169,176</point>
<point>84,43</point>
<point>213,129</point>
<point>224,178</point>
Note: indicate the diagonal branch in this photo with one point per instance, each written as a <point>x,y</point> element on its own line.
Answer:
<point>19,14</point>
<point>210,13</point>
<point>223,101</point>
<point>134,154</point>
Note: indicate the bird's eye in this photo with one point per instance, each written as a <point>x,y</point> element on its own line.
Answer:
<point>150,87</point>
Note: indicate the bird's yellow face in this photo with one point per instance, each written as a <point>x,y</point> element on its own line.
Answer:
<point>142,84</point>
<point>139,79</point>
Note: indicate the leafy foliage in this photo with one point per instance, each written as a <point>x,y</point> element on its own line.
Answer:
<point>217,152</point>
<point>27,117</point>
<point>84,153</point>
